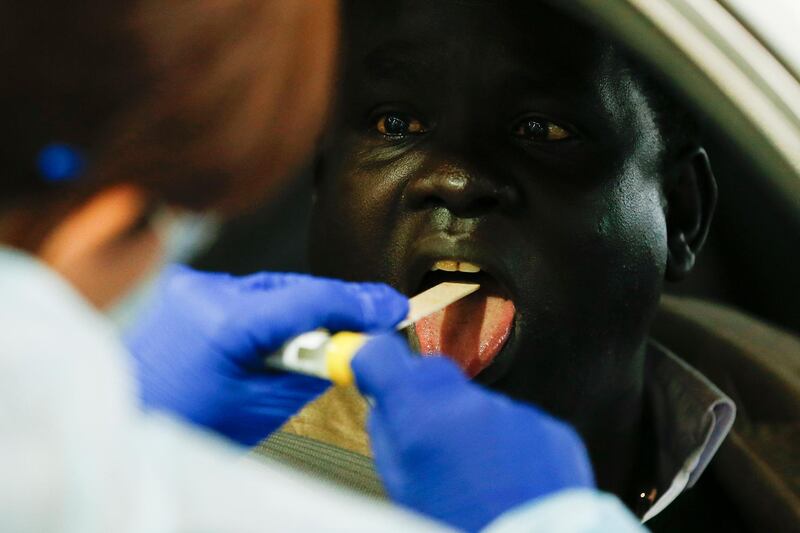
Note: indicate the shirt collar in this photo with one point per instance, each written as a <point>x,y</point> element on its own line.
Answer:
<point>691,417</point>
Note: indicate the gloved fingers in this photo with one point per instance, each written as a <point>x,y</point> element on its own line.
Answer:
<point>249,431</point>
<point>183,275</point>
<point>285,387</point>
<point>388,462</point>
<point>270,318</point>
<point>559,435</point>
<point>262,403</point>
<point>340,304</point>
<point>273,280</point>
<point>437,372</point>
<point>381,363</point>
<point>385,366</point>
<point>262,281</point>
<point>266,281</point>
<point>280,280</point>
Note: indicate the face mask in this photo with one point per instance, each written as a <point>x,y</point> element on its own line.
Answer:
<point>183,236</point>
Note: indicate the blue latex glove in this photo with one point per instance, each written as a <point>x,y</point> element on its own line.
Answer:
<point>455,451</point>
<point>199,351</point>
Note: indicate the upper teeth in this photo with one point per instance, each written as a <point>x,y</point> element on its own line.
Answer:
<point>456,266</point>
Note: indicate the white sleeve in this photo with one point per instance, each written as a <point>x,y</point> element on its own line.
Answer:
<point>569,511</point>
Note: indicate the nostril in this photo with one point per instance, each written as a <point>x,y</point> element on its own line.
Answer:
<point>432,202</point>
<point>461,193</point>
<point>463,205</point>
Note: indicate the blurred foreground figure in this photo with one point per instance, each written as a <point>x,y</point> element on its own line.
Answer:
<point>117,115</point>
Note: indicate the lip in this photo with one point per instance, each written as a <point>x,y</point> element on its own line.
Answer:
<point>463,247</point>
<point>429,250</point>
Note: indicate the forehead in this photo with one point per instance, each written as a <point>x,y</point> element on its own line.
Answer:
<point>485,42</point>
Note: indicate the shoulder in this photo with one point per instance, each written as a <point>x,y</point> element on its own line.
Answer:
<point>758,366</point>
<point>55,349</point>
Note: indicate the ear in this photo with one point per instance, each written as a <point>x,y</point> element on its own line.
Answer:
<point>691,195</point>
<point>104,245</point>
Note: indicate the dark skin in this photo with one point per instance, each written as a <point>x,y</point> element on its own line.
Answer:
<point>504,135</point>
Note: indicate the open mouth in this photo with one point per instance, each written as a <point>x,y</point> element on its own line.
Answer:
<point>473,330</point>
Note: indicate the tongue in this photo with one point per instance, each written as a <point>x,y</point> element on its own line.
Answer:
<point>471,331</point>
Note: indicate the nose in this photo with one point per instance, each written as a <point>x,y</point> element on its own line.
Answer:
<point>463,192</point>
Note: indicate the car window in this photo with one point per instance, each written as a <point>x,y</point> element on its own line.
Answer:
<point>776,23</point>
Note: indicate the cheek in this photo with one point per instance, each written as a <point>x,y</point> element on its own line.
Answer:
<point>631,260</point>
<point>635,230</point>
<point>353,220</point>
<point>611,260</point>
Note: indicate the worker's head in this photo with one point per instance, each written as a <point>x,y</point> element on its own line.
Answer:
<point>507,136</point>
<point>113,110</point>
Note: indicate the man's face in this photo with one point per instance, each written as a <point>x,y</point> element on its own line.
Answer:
<point>504,137</point>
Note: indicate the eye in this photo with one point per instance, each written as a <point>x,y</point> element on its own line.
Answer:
<point>399,125</point>
<point>537,129</point>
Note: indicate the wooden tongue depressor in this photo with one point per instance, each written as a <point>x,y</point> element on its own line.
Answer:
<point>435,299</point>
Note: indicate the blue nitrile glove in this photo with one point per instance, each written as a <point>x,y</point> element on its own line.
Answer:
<point>199,351</point>
<point>455,451</point>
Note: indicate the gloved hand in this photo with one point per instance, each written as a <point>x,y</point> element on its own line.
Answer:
<point>455,451</point>
<point>199,351</point>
